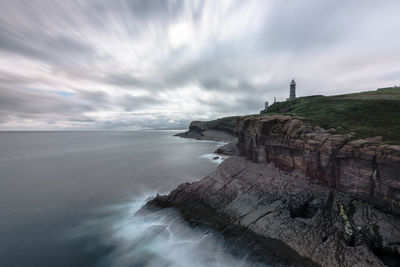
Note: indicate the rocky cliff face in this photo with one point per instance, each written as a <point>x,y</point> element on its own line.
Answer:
<point>303,223</point>
<point>305,194</point>
<point>365,169</point>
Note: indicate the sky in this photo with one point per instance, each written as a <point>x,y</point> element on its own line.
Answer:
<point>138,64</point>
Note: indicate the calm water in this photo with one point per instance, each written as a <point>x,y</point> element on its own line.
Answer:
<point>69,198</point>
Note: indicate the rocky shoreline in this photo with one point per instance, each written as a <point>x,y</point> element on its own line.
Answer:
<point>301,193</point>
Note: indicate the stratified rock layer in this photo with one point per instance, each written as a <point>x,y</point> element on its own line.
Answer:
<point>363,168</point>
<point>305,223</point>
<point>305,194</point>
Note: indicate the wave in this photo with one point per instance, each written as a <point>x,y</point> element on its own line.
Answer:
<point>216,158</point>
<point>160,238</point>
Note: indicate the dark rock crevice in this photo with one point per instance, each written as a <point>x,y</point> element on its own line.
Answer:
<point>306,210</point>
<point>389,256</point>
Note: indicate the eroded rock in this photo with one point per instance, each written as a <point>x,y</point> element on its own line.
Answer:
<point>306,223</point>
<point>363,168</point>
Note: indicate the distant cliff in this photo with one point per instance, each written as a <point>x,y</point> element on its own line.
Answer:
<point>223,129</point>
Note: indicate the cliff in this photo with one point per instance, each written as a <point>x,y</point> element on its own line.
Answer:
<point>364,168</point>
<point>223,129</point>
<point>307,195</point>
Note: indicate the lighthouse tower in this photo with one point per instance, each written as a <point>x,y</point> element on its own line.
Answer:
<point>292,94</point>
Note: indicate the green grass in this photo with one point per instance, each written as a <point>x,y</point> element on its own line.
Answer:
<point>368,114</point>
<point>231,121</point>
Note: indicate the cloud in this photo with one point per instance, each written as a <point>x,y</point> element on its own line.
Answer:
<point>31,103</point>
<point>52,49</point>
<point>130,64</point>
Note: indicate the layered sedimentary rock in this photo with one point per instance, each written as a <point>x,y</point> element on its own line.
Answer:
<point>364,168</point>
<point>305,194</point>
<point>304,223</point>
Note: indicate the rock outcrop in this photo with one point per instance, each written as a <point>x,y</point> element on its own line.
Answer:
<point>303,193</point>
<point>304,223</point>
<point>366,169</point>
<point>223,129</point>
<point>229,149</point>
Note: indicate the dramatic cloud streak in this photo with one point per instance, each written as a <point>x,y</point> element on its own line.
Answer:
<point>155,63</point>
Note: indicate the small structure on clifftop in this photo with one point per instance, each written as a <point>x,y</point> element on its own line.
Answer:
<point>292,94</point>
<point>265,107</point>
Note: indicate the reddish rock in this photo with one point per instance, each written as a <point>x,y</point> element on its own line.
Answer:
<point>363,168</point>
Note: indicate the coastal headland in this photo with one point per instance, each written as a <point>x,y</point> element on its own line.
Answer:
<point>302,184</point>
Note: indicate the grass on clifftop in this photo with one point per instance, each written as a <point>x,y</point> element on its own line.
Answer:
<point>226,120</point>
<point>368,114</point>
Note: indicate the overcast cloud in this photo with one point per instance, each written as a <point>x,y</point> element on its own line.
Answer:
<point>126,65</point>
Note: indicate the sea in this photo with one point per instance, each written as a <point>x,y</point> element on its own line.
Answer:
<point>70,199</point>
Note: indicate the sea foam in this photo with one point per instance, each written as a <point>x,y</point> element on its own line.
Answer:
<point>160,238</point>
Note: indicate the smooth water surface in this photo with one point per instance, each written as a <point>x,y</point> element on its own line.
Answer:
<point>69,199</point>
